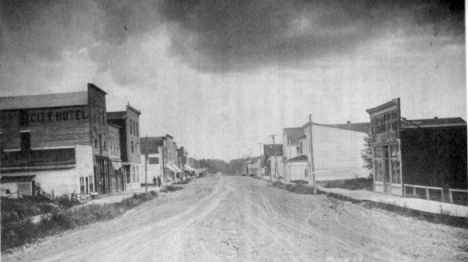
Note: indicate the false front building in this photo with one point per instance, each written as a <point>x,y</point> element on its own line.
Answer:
<point>55,141</point>
<point>423,152</point>
<point>129,123</point>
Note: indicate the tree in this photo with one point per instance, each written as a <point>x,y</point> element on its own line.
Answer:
<point>366,153</point>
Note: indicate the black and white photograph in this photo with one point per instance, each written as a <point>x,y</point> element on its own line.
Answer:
<point>233,130</point>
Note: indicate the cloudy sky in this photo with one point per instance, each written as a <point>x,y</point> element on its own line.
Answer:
<point>220,76</point>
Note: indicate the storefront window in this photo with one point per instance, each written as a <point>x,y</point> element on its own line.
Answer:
<point>91,187</point>
<point>379,170</point>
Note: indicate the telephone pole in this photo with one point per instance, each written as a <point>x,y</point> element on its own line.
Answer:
<point>146,164</point>
<point>312,169</point>
<point>276,159</point>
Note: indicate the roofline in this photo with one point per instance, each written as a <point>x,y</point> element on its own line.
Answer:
<point>115,112</point>
<point>331,126</point>
<point>395,101</point>
<point>129,107</point>
<point>97,88</point>
<point>114,125</point>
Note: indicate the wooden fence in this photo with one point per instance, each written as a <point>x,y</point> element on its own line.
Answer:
<point>427,190</point>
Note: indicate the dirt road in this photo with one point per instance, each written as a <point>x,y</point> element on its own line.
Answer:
<point>225,218</point>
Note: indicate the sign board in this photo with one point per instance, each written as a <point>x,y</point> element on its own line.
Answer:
<point>385,122</point>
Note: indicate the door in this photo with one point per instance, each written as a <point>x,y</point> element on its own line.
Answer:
<point>87,185</point>
<point>386,169</point>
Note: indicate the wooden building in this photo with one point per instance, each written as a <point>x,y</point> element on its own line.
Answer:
<point>56,140</point>
<point>129,121</point>
<point>336,152</point>
<point>424,152</point>
<point>154,150</point>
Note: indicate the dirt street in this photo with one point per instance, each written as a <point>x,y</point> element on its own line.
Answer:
<point>227,218</point>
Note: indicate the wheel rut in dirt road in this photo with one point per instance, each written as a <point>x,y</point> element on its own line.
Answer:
<point>227,218</point>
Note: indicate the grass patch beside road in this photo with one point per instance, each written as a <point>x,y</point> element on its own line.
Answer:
<point>18,231</point>
<point>295,188</point>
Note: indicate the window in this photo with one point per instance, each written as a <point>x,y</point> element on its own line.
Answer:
<point>25,141</point>
<point>154,161</point>
<point>306,174</point>
<point>82,189</point>
<point>132,148</point>
<point>131,126</point>
<point>136,125</point>
<point>94,114</point>
<point>137,168</point>
<point>127,173</point>
<point>395,164</point>
<point>104,142</point>
<point>300,147</point>
<point>23,118</point>
<point>91,187</point>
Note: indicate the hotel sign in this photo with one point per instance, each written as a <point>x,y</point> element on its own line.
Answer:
<point>27,117</point>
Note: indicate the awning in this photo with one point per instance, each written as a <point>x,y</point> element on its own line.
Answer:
<point>16,179</point>
<point>117,165</point>
<point>300,158</point>
<point>170,167</point>
<point>177,168</point>
<point>174,168</point>
<point>188,168</point>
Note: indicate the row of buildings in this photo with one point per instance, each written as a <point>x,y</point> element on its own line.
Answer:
<point>68,143</point>
<point>422,153</point>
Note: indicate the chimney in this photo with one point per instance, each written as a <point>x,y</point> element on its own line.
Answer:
<point>348,123</point>
<point>436,117</point>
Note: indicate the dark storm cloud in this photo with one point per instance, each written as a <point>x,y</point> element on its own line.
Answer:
<point>221,36</point>
<point>212,35</point>
<point>38,28</point>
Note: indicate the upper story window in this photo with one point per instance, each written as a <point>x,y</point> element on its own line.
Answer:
<point>132,148</point>
<point>23,118</point>
<point>94,114</point>
<point>25,141</point>
<point>95,139</point>
<point>137,132</point>
<point>154,161</point>
<point>131,126</point>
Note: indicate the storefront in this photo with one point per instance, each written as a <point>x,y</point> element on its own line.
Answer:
<point>386,149</point>
<point>428,154</point>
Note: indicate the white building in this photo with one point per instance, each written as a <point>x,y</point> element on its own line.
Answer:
<point>336,152</point>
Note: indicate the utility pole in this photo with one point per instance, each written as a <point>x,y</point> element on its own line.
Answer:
<point>163,153</point>
<point>260,163</point>
<point>276,159</point>
<point>146,164</point>
<point>312,169</point>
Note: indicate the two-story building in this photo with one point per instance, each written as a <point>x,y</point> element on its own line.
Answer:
<point>129,121</point>
<point>153,149</point>
<point>54,142</point>
<point>336,151</point>
<point>273,159</point>
<point>116,181</point>
<point>420,152</point>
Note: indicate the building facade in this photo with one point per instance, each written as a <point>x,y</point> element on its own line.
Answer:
<point>57,141</point>
<point>423,152</point>
<point>153,148</point>
<point>129,121</point>
<point>336,150</point>
<point>273,158</point>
